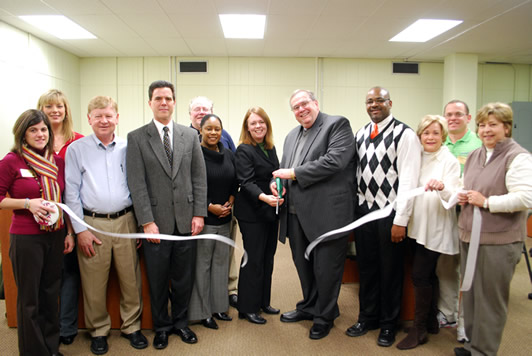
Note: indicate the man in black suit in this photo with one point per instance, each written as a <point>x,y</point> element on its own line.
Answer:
<point>168,185</point>
<point>317,166</point>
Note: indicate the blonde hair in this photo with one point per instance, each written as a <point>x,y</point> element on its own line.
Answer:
<point>55,96</point>
<point>428,120</point>
<point>501,111</point>
<point>101,102</point>
<point>245,136</point>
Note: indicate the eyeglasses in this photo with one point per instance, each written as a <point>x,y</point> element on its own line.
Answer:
<point>378,101</point>
<point>301,105</point>
<point>457,114</point>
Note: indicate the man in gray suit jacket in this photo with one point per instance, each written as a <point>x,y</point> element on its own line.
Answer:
<point>318,167</point>
<point>168,184</point>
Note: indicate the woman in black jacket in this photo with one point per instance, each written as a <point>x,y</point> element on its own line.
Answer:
<point>255,161</point>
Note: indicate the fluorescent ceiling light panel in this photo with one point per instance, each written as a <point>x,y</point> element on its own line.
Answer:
<point>59,26</point>
<point>243,26</point>
<point>424,29</point>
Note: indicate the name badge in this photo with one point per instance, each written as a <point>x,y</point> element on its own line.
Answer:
<point>26,173</point>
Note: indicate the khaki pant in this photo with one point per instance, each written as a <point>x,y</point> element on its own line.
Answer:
<point>486,303</point>
<point>448,272</point>
<point>94,273</point>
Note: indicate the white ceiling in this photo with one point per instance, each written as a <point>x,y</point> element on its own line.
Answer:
<point>496,30</point>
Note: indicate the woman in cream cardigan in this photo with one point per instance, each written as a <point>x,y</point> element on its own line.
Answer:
<point>432,226</point>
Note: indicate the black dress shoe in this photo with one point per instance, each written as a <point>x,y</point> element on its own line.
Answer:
<point>67,340</point>
<point>319,331</point>
<point>295,315</point>
<point>360,328</point>
<point>252,318</point>
<point>386,337</point>
<point>209,323</point>
<point>270,310</point>
<point>233,300</point>
<point>461,351</point>
<point>222,316</point>
<point>187,335</point>
<point>57,354</point>
<point>136,339</point>
<point>99,345</point>
<point>160,341</point>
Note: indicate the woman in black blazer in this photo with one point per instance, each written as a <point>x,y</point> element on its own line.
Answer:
<point>255,160</point>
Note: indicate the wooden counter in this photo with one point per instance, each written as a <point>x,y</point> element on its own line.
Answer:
<point>408,304</point>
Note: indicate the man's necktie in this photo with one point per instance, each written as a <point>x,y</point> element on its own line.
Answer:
<point>167,147</point>
<point>375,132</point>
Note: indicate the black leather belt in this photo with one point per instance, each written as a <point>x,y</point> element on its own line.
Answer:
<point>110,215</point>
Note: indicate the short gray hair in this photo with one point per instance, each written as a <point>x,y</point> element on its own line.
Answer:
<point>198,99</point>
<point>297,91</point>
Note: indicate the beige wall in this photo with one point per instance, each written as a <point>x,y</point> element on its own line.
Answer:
<point>237,83</point>
<point>31,66</point>
<point>28,68</point>
<point>504,82</point>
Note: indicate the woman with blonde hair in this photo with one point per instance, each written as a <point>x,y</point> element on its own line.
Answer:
<point>255,160</point>
<point>57,108</point>
<point>432,226</point>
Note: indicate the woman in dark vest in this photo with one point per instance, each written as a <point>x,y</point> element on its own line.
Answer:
<point>498,181</point>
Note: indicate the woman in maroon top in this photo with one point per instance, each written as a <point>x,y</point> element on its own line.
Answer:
<point>31,173</point>
<point>57,108</point>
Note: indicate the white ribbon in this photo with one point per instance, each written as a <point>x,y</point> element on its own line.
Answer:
<point>374,215</point>
<point>472,252</point>
<point>387,210</point>
<point>216,237</point>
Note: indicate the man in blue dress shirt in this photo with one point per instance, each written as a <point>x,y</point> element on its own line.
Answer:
<point>96,189</point>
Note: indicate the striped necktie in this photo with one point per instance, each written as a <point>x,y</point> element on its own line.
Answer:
<point>167,146</point>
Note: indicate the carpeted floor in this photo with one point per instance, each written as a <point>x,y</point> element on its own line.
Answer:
<point>240,337</point>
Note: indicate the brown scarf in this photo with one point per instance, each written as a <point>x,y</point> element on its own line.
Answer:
<point>46,171</point>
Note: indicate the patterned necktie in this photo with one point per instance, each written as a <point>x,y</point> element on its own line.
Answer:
<point>375,132</point>
<point>167,147</point>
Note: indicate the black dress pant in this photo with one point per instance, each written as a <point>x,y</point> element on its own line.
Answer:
<point>321,275</point>
<point>171,262</point>
<point>255,278</point>
<point>424,267</point>
<point>381,268</point>
<point>36,261</point>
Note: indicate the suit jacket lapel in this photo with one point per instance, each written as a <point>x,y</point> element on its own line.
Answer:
<point>158,149</point>
<point>291,146</point>
<point>260,154</point>
<point>313,134</point>
<point>179,148</point>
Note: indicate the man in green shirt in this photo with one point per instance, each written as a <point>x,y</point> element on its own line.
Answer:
<point>460,141</point>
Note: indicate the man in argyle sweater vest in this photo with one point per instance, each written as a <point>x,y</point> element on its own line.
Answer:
<point>388,162</point>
